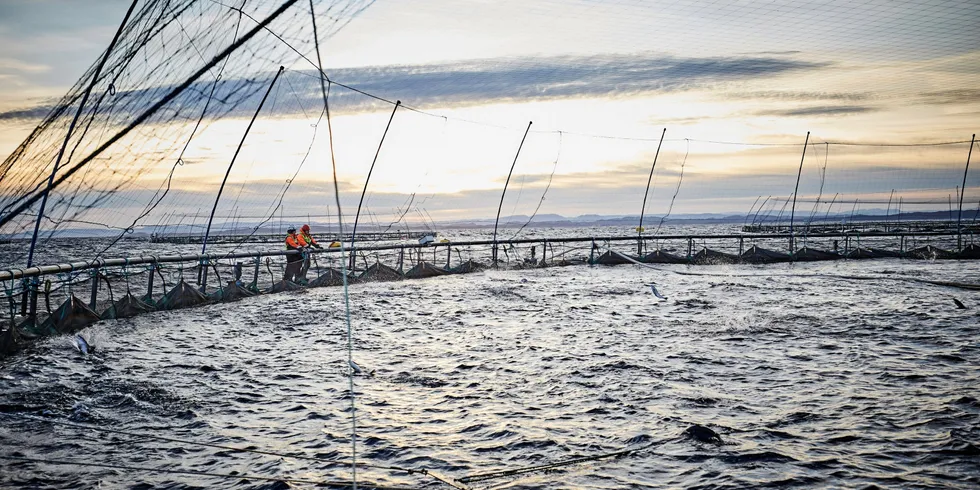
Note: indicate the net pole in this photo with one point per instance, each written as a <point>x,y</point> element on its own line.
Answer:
<point>71,129</point>
<point>959,217</point>
<point>207,231</point>
<point>504,193</point>
<point>357,215</point>
<point>639,228</point>
<point>792,214</point>
<point>6,218</point>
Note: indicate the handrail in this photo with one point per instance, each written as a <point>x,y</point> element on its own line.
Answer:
<point>18,273</point>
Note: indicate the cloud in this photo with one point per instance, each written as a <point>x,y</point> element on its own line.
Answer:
<point>10,64</point>
<point>800,96</point>
<point>482,81</point>
<point>960,96</point>
<point>478,82</point>
<point>842,110</point>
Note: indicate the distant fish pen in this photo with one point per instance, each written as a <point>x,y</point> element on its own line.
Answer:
<point>103,289</point>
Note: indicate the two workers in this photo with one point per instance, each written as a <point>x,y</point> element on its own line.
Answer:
<point>298,264</point>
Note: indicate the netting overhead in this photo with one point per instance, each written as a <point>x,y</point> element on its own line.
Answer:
<point>738,88</point>
<point>178,67</point>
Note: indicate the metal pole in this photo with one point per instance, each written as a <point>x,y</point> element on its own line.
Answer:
<point>95,288</point>
<point>888,210</point>
<point>149,283</point>
<point>639,229</point>
<point>797,189</point>
<point>207,231</point>
<point>959,217</point>
<point>140,119</point>
<point>357,215</point>
<point>64,145</point>
<point>71,128</point>
<point>502,194</point>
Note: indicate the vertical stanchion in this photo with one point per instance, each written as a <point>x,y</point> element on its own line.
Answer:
<point>95,288</point>
<point>32,303</point>
<point>792,215</point>
<point>149,283</point>
<point>502,194</point>
<point>639,228</point>
<point>203,272</point>
<point>959,217</point>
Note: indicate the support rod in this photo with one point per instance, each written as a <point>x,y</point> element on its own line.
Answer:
<point>71,129</point>
<point>639,228</point>
<point>150,111</point>
<point>959,217</point>
<point>504,193</point>
<point>357,215</point>
<point>207,231</point>
<point>792,214</point>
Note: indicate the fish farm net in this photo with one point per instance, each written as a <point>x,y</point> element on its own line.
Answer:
<point>168,175</point>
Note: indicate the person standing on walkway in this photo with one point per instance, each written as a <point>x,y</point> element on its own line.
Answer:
<point>308,241</point>
<point>294,262</point>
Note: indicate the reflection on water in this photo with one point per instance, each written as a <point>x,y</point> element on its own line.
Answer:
<point>809,381</point>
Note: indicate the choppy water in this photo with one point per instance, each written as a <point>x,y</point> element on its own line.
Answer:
<point>810,381</point>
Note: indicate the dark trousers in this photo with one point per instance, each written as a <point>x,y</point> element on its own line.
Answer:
<point>294,263</point>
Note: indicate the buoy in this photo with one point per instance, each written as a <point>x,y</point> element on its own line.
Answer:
<point>335,245</point>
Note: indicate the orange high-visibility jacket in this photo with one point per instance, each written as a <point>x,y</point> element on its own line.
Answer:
<point>294,241</point>
<point>307,238</point>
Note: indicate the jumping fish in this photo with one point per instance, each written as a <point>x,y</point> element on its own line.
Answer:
<point>959,304</point>
<point>82,345</point>
<point>358,370</point>
<point>653,288</point>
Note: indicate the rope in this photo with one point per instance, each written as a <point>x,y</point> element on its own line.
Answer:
<point>343,252</point>
<point>551,177</point>
<point>677,190</point>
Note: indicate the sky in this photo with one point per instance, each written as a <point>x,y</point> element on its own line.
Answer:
<point>737,85</point>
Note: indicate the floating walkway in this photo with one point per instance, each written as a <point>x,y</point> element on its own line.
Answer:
<point>864,227</point>
<point>278,237</point>
<point>59,299</point>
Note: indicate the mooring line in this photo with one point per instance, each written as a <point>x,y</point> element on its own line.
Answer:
<point>322,483</point>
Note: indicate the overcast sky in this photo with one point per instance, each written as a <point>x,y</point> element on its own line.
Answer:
<point>600,79</point>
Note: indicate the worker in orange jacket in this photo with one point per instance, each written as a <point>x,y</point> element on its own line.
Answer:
<point>308,241</point>
<point>294,263</point>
